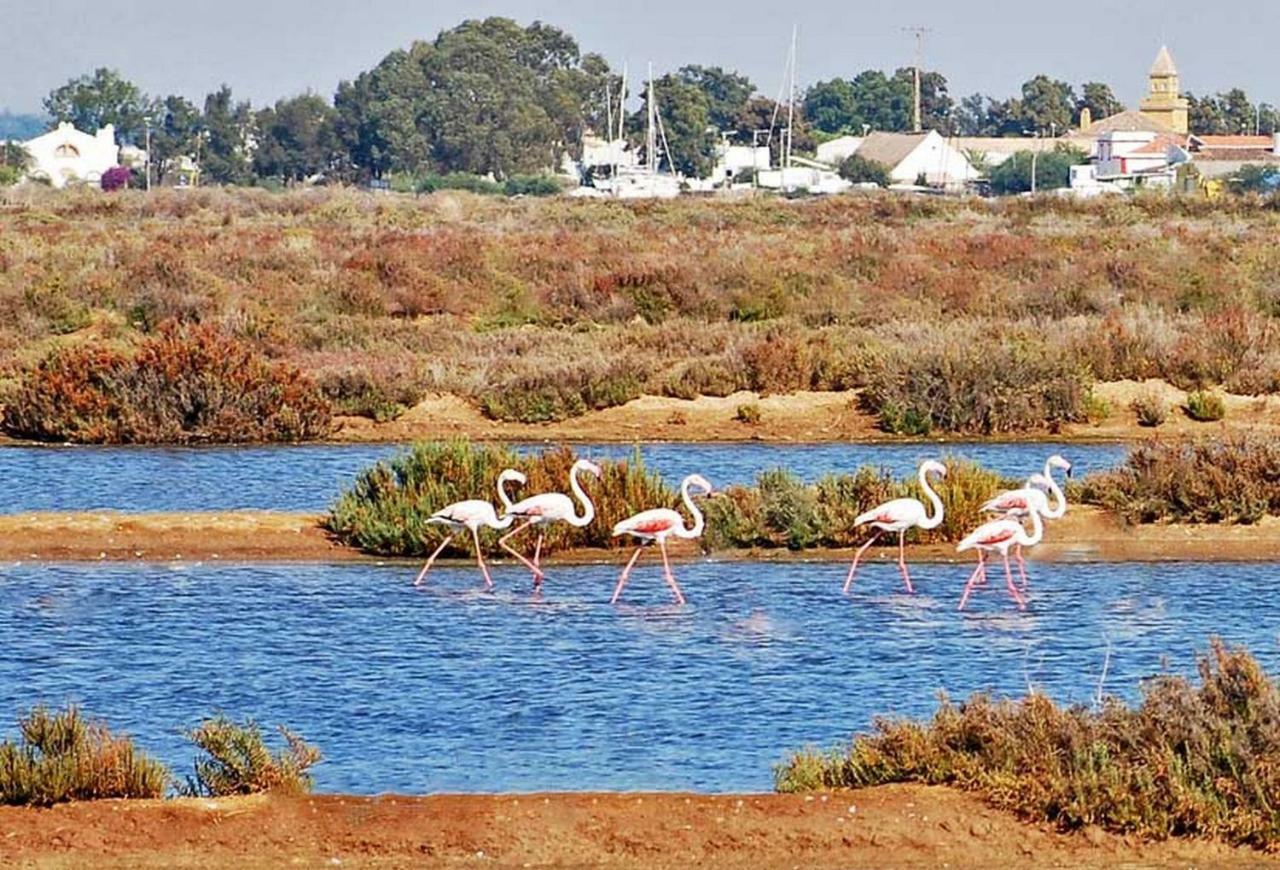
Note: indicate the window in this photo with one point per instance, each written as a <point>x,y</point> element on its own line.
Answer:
<point>66,151</point>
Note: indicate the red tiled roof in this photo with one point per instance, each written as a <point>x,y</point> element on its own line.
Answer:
<point>1236,141</point>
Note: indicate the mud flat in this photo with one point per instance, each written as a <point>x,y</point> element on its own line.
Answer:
<point>1085,534</point>
<point>889,826</point>
<point>804,417</point>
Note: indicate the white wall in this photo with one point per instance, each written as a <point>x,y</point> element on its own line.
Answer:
<point>66,156</point>
<point>940,163</point>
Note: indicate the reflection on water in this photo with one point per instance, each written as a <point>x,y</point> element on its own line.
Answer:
<point>308,478</point>
<point>446,687</point>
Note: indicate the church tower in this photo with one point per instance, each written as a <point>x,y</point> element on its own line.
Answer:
<point>1164,101</point>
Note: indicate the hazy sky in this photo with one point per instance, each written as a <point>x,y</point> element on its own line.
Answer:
<point>266,49</point>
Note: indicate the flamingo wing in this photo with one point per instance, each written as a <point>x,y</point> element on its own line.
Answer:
<point>989,534</point>
<point>547,506</point>
<point>463,512</point>
<point>1013,500</point>
<point>649,523</point>
<point>900,511</point>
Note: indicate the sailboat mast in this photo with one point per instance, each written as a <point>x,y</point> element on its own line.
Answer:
<point>791,99</point>
<point>651,140</point>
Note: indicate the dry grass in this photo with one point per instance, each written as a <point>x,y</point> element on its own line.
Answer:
<point>1187,761</point>
<point>574,305</point>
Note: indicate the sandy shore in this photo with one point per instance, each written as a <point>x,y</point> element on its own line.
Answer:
<point>803,417</point>
<point>890,826</point>
<point>1085,534</point>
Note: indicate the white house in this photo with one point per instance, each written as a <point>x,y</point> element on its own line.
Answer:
<point>908,156</point>
<point>1127,159</point>
<point>991,151</point>
<point>838,150</point>
<point>66,156</point>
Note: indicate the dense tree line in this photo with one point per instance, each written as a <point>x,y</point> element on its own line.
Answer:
<point>493,98</point>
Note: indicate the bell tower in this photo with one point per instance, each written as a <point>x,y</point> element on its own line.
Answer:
<point>1164,101</point>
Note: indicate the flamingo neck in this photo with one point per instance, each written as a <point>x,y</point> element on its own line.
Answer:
<point>1037,531</point>
<point>588,509</point>
<point>698,520</point>
<point>1059,508</point>
<point>503,479</point>
<point>936,520</point>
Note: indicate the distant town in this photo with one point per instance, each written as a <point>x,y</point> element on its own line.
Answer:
<point>494,107</point>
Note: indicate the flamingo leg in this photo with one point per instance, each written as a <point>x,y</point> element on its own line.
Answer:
<point>1008,578</point>
<point>502,542</point>
<point>488,581</point>
<point>1022,566</point>
<point>432,558</point>
<point>973,580</point>
<point>537,562</point>
<point>626,572</point>
<point>902,560</point>
<point>848,581</point>
<point>666,566</point>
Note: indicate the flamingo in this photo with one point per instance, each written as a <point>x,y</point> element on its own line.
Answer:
<point>898,516</point>
<point>1019,502</point>
<point>657,525</point>
<point>550,507</point>
<point>472,514</point>
<point>998,536</point>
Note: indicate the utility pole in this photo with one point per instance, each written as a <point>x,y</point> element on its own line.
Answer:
<point>919,34</point>
<point>147,160</point>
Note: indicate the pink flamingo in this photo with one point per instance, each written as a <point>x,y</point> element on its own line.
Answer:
<point>898,516</point>
<point>1020,502</point>
<point>998,536</point>
<point>472,514</point>
<point>550,507</point>
<point>657,525</point>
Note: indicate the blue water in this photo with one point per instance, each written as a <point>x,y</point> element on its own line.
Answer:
<point>308,478</point>
<point>447,688</point>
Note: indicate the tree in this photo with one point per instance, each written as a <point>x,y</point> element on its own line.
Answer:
<point>860,170</point>
<point>727,93</point>
<point>175,132</point>
<point>1099,100</point>
<point>1053,169</point>
<point>936,104</point>
<point>685,115</point>
<point>1255,178</point>
<point>485,97</point>
<point>830,106</point>
<point>296,139</point>
<point>116,178</point>
<point>14,160</point>
<point>20,127</point>
<point>763,114</point>
<point>90,102</point>
<point>1046,104</point>
<point>227,128</point>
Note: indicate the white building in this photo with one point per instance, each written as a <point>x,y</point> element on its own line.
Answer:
<point>910,156</point>
<point>991,151</point>
<point>838,150</point>
<point>67,156</point>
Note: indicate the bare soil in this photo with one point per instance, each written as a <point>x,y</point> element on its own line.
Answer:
<point>797,417</point>
<point>1085,534</point>
<point>890,826</point>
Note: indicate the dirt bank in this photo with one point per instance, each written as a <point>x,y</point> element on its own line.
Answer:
<point>1085,534</point>
<point>797,417</point>
<point>891,826</point>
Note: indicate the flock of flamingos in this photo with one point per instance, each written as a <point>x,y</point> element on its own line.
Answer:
<point>655,526</point>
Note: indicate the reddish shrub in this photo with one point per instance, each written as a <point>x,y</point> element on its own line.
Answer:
<point>184,384</point>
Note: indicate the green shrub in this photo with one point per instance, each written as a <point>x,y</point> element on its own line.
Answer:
<point>1205,407</point>
<point>780,511</point>
<point>459,181</point>
<point>238,760</point>
<point>544,396</point>
<point>532,185</point>
<point>860,170</point>
<point>1234,478</point>
<point>748,413</point>
<point>974,387</point>
<point>1187,761</point>
<point>704,377</point>
<point>386,508</point>
<point>1151,408</point>
<point>64,757</point>
<point>185,384</point>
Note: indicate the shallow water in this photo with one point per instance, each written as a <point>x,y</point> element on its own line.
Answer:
<point>309,478</point>
<point>447,688</point>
